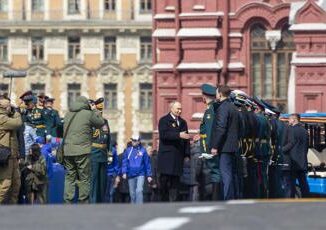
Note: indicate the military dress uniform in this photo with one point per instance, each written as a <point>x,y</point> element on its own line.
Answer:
<point>33,116</point>
<point>263,151</point>
<point>99,159</point>
<point>205,130</point>
<point>52,120</point>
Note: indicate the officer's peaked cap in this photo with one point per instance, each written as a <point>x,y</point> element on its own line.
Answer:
<point>208,90</point>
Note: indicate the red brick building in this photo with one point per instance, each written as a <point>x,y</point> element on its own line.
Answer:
<point>275,49</point>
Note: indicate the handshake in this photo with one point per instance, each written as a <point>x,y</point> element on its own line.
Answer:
<point>185,135</point>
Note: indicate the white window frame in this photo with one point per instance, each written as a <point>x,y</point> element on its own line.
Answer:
<point>39,4</point>
<point>74,91</point>
<point>146,9</point>
<point>112,5</point>
<point>39,48</point>
<point>110,49</point>
<point>5,46</point>
<point>75,57</point>
<point>147,47</point>
<point>147,97</point>
<point>110,99</point>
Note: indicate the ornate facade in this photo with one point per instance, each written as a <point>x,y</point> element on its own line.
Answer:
<point>94,48</point>
<point>274,49</point>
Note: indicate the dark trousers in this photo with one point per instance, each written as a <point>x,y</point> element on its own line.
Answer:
<point>289,183</point>
<point>228,171</point>
<point>169,187</point>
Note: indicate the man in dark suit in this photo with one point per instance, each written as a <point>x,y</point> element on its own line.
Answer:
<point>295,149</point>
<point>174,147</point>
<point>225,140</point>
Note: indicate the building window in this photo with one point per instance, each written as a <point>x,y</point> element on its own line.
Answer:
<point>146,49</point>
<point>38,89</point>
<point>3,49</point>
<point>4,89</point>
<point>110,48</point>
<point>146,139</point>
<point>270,70</point>
<point>3,5</point>
<point>37,5</point>
<point>73,93</point>
<point>145,96</point>
<point>110,96</point>
<point>73,6</point>
<point>145,6</point>
<point>37,49</point>
<point>74,48</point>
<point>109,5</point>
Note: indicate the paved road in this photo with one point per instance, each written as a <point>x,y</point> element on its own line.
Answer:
<point>242,215</point>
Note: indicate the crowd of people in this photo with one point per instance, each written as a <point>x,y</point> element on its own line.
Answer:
<point>243,150</point>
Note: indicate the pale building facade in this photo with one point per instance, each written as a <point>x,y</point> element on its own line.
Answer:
<point>94,48</point>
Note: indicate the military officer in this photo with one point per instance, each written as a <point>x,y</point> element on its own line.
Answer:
<point>42,98</point>
<point>99,158</point>
<point>206,126</point>
<point>51,116</point>
<point>32,114</point>
<point>277,164</point>
<point>263,149</point>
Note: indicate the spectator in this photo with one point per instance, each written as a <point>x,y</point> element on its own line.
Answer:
<point>36,176</point>
<point>112,173</point>
<point>10,122</point>
<point>78,124</point>
<point>296,150</point>
<point>136,166</point>
<point>29,137</point>
<point>154,184</point>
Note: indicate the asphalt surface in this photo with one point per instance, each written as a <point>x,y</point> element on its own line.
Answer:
<point>157,216</point>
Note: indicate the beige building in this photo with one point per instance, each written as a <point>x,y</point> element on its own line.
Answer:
<point>95,48</point>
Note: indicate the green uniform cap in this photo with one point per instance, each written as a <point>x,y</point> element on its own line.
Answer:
<point>208,90</point>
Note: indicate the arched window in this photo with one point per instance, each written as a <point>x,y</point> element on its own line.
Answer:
<point>270,69</point>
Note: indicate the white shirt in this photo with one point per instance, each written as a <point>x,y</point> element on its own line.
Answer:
<point>175,118</point>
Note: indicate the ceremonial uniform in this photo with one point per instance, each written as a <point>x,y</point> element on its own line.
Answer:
<point>99,159</point>
<point>205,130</point>
<point>263,151</point>
<point>35,117</point>
<point>52,120</point>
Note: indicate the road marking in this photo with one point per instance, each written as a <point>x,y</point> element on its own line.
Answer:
<point>202,209</point>
<point>164,223</point>
<point>241,202</point>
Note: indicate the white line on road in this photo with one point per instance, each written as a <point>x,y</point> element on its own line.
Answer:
<point>202,209</point>
<point>164,223</point>
<point>241,202</point>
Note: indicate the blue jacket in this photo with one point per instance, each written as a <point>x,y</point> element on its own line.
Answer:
<point>136,162</point>
<point>113,167</point>
<point>46,151</point>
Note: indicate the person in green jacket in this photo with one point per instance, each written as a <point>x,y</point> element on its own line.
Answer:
<point>77,148</point>
<point>205,130</point>
<point>99,158</point>
<point>51,118</point>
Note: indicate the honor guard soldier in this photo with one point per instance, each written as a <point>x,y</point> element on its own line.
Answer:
<point>263,150</point>
<point>99,158</point>
<point>206,126</point>
<point>51,118</point>
<point>276,164</point>
<point>33,115</point>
